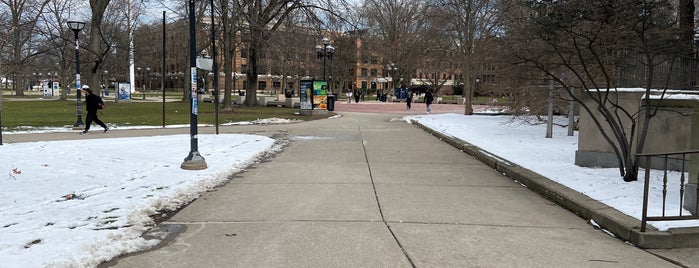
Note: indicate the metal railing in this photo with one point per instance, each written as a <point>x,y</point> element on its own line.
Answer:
<point>681,161</point>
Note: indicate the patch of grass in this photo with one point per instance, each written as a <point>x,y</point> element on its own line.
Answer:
<point>56,113</point>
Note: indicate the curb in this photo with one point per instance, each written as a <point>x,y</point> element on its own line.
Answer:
<point>621,225</point>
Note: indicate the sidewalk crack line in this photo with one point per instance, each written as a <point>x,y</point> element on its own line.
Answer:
<point>378,203</point>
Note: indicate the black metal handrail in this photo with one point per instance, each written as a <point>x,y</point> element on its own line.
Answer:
<point>666,156</point>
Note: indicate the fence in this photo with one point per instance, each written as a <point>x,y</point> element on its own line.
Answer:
<point>668,72</point>
<point>682,159</point>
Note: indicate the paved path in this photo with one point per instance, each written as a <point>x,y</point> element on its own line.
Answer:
<point>398,108</point>
<point>367,190</point>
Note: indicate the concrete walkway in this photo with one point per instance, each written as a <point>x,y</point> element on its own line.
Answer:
<point>366,190</point>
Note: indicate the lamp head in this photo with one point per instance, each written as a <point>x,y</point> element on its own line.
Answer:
<point>75,24</point>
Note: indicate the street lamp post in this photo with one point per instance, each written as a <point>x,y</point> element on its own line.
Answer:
<point>36,78</point>
<point>194,160</point>
<point>143,73</point>
<point>392,68</point>
<point>50,83</point>
<point>77,26</point>
<point>144,81</point>
<point>105,86</point>
<point>204,65</point>
<point>106,81</point>
<point>139,70</point>
<point>325,51</point>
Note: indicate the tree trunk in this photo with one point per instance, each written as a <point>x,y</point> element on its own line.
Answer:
<point>251,72</point>
<point>228,54</point>
<point>94,56</point>
<point>468,99</point>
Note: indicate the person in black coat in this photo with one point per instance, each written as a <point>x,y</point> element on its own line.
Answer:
<point>428,100</point>
<point>92,104</point>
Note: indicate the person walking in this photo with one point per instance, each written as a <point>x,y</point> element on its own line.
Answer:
<point>428,100</point>
<point>92,104</point>
<point>409,98</point>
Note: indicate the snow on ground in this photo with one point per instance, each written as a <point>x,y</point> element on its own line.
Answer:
<point>525,145</point>
<point>78,203</point>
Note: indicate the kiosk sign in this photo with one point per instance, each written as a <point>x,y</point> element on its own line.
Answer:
<point>313,95</point>
<point>320,95</point>
<point>306,94</point>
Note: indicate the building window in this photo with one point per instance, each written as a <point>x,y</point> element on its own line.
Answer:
<point>365,72</point>
<point>261,85</point>
<point>364,84</point>
<point>374,72</point>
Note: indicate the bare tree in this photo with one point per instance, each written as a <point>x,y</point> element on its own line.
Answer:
<point>579,44</point>
<point>399,32</point>
<point>4,41</point>
<point>262,17</point>
<point>472,26</point>
<point>24,15</point>
<point>230,28</point>
<point>438,64</point>
<point>58,44</point>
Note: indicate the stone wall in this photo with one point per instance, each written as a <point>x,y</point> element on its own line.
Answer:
<point>675,127</point>
<point>669,130</point>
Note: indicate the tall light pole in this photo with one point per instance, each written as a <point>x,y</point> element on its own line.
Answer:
<point>147,73</point>
<point>77,26</point>
<point>325,51</point>
<point>105,81</point>
<point>50,83</point>
<point>214,63</point>
<point>36,78</point>
<point>193,161</point>
<point>143,73</point>
<point>392,68</point>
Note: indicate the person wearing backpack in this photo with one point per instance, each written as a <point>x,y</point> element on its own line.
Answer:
<point>92,104</point>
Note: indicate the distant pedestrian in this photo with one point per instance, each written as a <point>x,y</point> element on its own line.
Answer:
<point>409,99</point>
<point>356,96</point>
<point>349,96</point>
<point>428,100</point>
<point>92,104</point>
